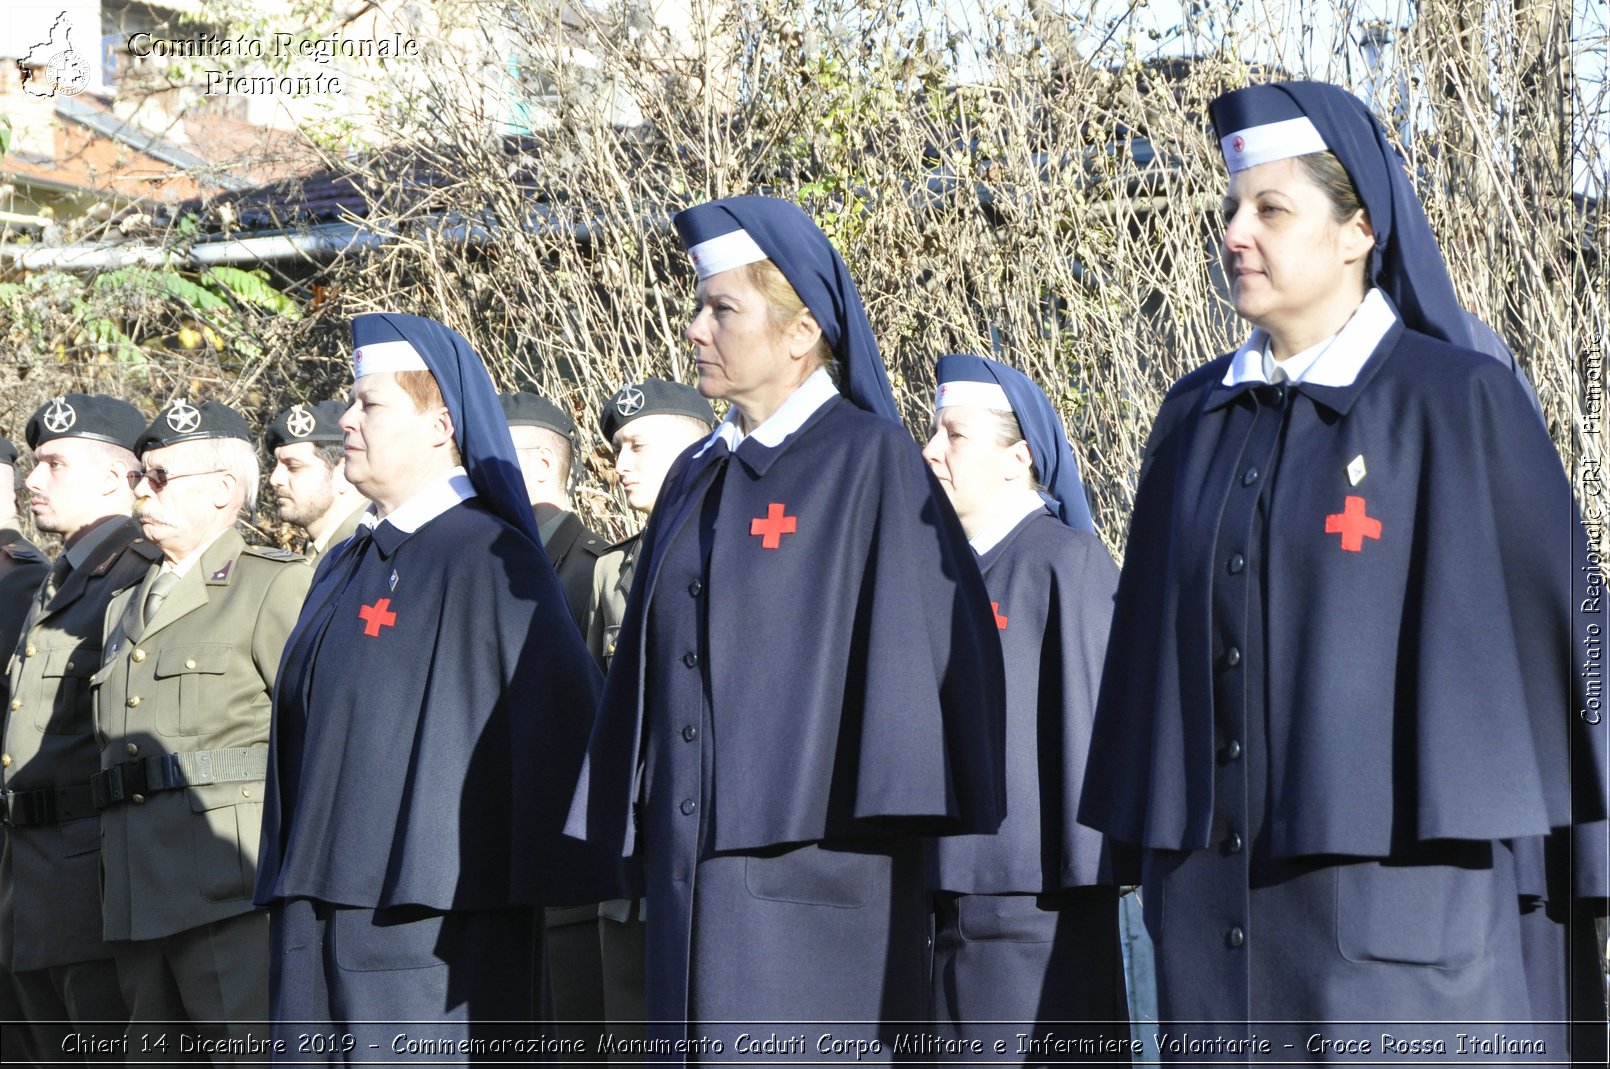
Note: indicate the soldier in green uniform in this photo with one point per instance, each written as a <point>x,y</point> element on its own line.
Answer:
<point>649,423</point>
<point>306,444</point>
<point>22,567</point>
<point>182,705</point>
<point>50,893</point>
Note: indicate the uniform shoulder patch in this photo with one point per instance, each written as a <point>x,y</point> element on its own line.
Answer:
<point>23,550</point>
<point>284,556</point>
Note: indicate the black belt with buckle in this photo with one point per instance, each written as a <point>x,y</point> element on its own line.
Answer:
<point>134,780</point>
<point>47,805</point>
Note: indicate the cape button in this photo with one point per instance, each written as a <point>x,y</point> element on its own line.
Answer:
<point>1236,937</point>
<point>687,807</point>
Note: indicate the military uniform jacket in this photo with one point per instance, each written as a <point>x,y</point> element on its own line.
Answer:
<point>612,581</point>
<point>198,679</point>
<point>573,550</point>
<point>22,569</point>
<point>50,880</point>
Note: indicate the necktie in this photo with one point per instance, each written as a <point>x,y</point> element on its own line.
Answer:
<point>161,587</point>
<point>53,582</point>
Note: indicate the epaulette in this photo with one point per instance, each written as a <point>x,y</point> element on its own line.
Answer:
<point>284,556</point>
<point>24,551</point>
<point>625,543</point>
<point>140,547</point>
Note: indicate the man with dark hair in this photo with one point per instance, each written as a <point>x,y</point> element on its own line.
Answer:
<point>544,440</point>
<point>182,713</point>
<point>50,890</point>
<point>306,443</point>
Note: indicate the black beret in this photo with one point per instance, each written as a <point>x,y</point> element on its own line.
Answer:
<point>319,423</point>
<point>652,397</point>
<point>535,410</point>
<point>8,452</point>
<point>182,421</point>
<point>86,415</point>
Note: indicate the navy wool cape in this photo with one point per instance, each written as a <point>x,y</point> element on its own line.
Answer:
<point>430,718</point>
<point>853,702</point>
<point>1028,929</point>
<point>1418,711</point>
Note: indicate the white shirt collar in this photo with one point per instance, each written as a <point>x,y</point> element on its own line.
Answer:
<point>1012,512</point>
<point>434,499</point>
<point>800,406</point>
<point>1336,361</point>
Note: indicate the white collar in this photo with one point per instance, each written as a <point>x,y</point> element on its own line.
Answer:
<point>790,416</point>
<point>435,498</point>
<point>1336,361</point>
<point>1013,510</point>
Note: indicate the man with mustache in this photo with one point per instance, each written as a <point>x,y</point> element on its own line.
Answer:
<point>182,715</point>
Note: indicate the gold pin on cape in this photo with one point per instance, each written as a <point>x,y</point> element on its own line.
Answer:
<point>1355,470</point>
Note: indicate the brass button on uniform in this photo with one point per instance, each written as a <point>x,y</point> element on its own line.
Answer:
<point>70,666</point>
<point>245,792</point>
<point>190,662</point>
<point>134,702</point>
<point>137,799</point>
<point>1236,937</point>
<point>31,650</point>
<point>5,760</point>
<point>137,656</point>
<point>16,703</point>
<point>132,748</point>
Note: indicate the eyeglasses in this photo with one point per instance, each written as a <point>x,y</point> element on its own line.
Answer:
<point>159,477</point>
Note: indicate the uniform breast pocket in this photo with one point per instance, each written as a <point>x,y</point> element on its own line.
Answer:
<point>224,837</point>
<point>190,681</point>
<point>66,682</point>
<point>809,875</point>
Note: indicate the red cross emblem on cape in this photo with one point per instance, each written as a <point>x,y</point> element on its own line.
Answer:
<point>1000,621</point>
<point>1353,525</point>
<point>376,616</point>
<point>773,526</point>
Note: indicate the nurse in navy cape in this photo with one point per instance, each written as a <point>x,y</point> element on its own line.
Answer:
<point>807,679</point>
<point>429,722</point>
<point>1026,919</point>
<point>1343,715</point>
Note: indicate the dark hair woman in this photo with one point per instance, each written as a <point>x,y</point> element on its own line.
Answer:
<point>1339,714</point>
